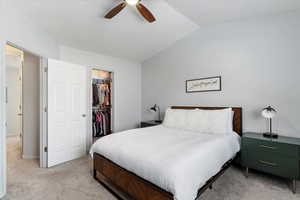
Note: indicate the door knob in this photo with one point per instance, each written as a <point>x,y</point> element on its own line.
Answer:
<point>20,114</point>
<point>84,115</point>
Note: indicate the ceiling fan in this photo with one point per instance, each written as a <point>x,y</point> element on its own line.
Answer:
<point>137,3</point>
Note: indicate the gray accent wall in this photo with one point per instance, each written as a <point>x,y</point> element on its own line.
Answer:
<point>258,60</point>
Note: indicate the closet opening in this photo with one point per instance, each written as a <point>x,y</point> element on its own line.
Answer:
<point>22,109</point>
<point>102,119</point>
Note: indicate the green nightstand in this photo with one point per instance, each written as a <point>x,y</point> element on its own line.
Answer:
<point>279,157</point>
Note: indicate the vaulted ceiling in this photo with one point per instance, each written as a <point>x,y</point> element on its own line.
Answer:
<point>218,11</point>
<point>80,23</point>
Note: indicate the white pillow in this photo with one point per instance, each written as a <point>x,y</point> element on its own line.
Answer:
<point>175,118</point>
<point>196,120</point>
<point>209,121</point>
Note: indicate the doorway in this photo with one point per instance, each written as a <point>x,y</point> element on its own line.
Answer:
<point>52,112</point>
<point>14,61</point>
<point>22,108</point>
<point>101,103</point>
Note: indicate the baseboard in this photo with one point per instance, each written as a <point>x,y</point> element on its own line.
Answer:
<point>30,157</point>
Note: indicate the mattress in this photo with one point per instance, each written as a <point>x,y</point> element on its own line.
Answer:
<point>175,160</point>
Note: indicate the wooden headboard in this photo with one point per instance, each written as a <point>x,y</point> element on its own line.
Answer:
<point>237,118</point>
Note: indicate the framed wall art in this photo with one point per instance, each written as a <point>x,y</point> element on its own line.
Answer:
<point>204,84</point>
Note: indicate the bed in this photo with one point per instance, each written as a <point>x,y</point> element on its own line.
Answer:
<point>162,163</point>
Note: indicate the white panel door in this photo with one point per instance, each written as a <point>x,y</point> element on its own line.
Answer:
<point>67,108</point>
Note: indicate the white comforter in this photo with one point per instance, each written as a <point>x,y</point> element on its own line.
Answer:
<point>178,161</point>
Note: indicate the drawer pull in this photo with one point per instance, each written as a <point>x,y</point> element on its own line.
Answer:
<point>267,147</point>
<point>268,163</point>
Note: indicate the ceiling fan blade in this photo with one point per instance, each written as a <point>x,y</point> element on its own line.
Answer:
<point>115,10</point>
<point>145,13</point>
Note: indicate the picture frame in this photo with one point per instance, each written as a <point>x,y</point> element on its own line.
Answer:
<point>208,84</point>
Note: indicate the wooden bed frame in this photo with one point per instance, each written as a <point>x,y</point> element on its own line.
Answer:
<point>126,185</point>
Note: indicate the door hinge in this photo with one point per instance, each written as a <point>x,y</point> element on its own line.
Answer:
<point>45,149</point>
<point>46,69</point>
<point>45,109</point>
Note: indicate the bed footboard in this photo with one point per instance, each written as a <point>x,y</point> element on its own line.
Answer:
<point>125,184</point>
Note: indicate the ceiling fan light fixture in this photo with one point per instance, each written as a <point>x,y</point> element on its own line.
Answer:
<point>136,3</point>
<point>132,2</point>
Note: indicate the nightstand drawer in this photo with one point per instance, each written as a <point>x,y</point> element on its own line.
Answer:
<point>278,165</point>
<point>253,145</point>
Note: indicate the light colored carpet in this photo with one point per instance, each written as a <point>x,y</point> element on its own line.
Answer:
<point>73,181</point>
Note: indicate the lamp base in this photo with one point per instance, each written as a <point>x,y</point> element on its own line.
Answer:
<point>270,135</point>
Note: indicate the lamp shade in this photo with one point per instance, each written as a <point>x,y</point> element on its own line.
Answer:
<point>154,108</point>
<point>268,112</point>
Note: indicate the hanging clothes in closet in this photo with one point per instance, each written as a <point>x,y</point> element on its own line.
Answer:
<point>101,107</point>
<point>101,93</point>
<point>101,123</point>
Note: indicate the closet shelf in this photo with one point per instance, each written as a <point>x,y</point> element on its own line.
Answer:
<point>102,108</point>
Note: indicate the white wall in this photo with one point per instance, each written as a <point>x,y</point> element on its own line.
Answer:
<point>14,97</point>
<point>20,31</point>
<point>127,84</point>
<point>31,107</point>
<point>258,60</point>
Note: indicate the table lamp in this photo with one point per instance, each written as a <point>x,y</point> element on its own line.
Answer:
<point>155,109</point>
<point>269,113</point>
